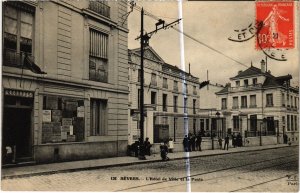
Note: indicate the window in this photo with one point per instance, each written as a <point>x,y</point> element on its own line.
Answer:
<point>153,79</point>
<point>253,122</point>
<point>138,99</point>
<point>296,122</point>
<point>296,102</point>
<point>98,117</point>
<point>292,105</point>
<point>100,7</point>
<point>254,81</point>
<point>224,103</point>
<point>207,124</point>
<point>252,100</point>
<point>269,100</point>
<point>283,99</point>
<point>288,100</point>
<point>98,59</point>
<point>165,120</point>
<point>194,106</point>
<point>246,83</point>
<point>153,99</point>
<point>175,99</point>
<point>292,122</point>
<point>185,89</point>
<point>235,104</point>
<point>17,33</point>
<point>185,105</point>
<point>165,108</point>
<point>288,123</point>
<point>63,119</point>
<point>194,90</point>
<point>165,83</point>
<point>283,120</point>
<point>175,86</point>
<point>194,126</point>
<point>237,83</point>
<point>244,102</point>
<point>139,75</point>
<point>201,124</point>
<point>236,125</point>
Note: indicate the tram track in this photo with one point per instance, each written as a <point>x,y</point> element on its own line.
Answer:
<point>219,170</point>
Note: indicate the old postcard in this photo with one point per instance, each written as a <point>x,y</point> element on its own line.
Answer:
<point>150,96</point>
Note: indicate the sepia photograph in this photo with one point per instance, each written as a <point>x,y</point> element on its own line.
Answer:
<point>150,96</point>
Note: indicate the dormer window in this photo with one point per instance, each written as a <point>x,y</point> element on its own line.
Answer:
<point>237,83</point>
<point>254,81</point>
<point>246,83</point>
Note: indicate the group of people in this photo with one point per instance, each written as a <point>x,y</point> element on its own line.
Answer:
<point>192,142</point>
<point>237,141</point>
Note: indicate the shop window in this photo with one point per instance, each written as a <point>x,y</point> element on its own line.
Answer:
<point>62,120</point>
<point>98,117</point>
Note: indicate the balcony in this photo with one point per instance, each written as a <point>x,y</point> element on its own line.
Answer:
<point>14,59</point>
<point>100,7</point>
<point>245,88</point>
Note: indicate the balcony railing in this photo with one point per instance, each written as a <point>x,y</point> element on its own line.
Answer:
<point>15,59</point>
<point>244,88</point>
<point>100,8</point>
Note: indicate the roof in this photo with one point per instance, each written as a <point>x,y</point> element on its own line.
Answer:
<point>149,53</point>
<point>224,90</point>
<point>249,72</point>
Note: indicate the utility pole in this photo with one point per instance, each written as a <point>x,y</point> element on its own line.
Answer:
<point>142,116</point>
<point>144,39</point>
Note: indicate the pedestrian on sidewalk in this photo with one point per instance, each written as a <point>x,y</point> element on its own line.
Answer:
<point>220,142</point>
<point>198,142</point>
<point>164,150</point>
<point>234,140</point>
<point>147,146</point>
<point>239,140</point>
<point>193,142</point>
<point>226,142</point>
<point>186,143</point>
<point>171,145</point>
<point>141,149</point>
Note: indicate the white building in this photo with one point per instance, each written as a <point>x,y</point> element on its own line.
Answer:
<point>259,103</point>
<point>171,98</point>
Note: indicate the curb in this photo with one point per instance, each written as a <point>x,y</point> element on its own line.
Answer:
<point>130,163</point>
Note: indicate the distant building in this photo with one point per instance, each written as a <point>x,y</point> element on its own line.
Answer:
<point>171,98</point>
<point>257,103</point>
<point>210,119</point>
<point>78,109</point>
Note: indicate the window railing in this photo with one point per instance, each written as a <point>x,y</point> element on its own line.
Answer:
<point>270,105</point>
<point>175,87</point>
<point>100,8</point>
<point>15,59</point>
<point>243,106</point>
<point>98,71</point>
<point>153,82</point>
<point>165,85</point>
<point>224,107</point>
<point>235,107</point>
<point>253,106</point>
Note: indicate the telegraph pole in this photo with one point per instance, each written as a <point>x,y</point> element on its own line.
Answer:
<point>144,39</point>
<point>142,116</point>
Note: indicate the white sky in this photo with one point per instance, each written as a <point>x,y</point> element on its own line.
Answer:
<point>211,23</point>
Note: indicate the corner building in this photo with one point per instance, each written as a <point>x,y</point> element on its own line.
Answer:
<point>78,109</point>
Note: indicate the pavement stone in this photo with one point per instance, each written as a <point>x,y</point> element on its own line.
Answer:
<point>62,167</point>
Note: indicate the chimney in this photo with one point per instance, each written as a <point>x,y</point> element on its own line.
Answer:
<point>239,72</point>
<point>263,66</point>
<point>269,71</point>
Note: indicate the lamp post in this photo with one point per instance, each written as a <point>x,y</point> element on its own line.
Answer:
<point>263,123</point>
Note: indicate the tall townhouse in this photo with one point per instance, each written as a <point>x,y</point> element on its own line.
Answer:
<point>171,98</point>
<point>256,103</point>
<point>64,80</point>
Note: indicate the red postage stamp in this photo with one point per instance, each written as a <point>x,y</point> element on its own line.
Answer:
<point>277,29</point>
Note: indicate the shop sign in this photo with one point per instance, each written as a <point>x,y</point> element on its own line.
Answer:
<point>19,93</point>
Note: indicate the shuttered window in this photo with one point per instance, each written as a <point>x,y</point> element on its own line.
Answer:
<point>98,113</point>
<point>98,69</point>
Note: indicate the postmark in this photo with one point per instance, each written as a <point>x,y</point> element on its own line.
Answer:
<point>278,25</point>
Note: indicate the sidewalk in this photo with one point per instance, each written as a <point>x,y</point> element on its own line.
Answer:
<point>52,168</point>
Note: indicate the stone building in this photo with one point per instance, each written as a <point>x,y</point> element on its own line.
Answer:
<point>256,103</point>
<point>171,98</point>
<point>64,80</point>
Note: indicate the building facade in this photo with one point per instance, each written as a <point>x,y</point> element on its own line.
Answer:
<point>256,103</point>
<point>64,80</point>
<point>171,98</point>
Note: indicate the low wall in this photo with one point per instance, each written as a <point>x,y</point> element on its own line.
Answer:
<point>266,140</point>
<point>47,153</point>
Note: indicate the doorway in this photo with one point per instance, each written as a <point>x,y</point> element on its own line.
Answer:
<point>16,131</point>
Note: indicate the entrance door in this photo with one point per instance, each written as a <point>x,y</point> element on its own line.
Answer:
<point>17,131</point>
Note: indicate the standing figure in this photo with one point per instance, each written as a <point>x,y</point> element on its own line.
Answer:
<point>164,150</point>
<point>198,142</point>
<point>186,143</point>
<point>193,142</point>
<point>233,140</point>
<point>226,142</point>
<point>220,142</point>
<point>147,146</point>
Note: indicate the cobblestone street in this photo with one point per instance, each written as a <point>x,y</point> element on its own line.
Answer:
<point>267,170</point>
